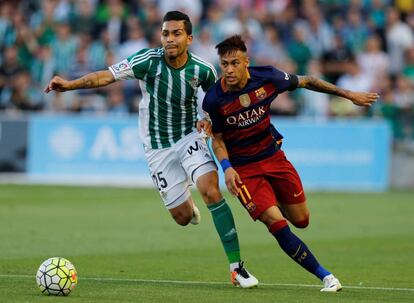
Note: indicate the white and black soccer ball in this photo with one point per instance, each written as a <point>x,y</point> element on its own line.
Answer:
<point>56,276</point>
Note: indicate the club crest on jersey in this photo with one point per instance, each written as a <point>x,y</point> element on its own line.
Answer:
<point>245,100</point>
<point>251,207</point>
<point>194,82</point>
<point>246,199</point>
<point>260,93</point>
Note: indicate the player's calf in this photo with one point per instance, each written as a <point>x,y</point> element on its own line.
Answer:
<point>182,219</point>
<point>184,213</point>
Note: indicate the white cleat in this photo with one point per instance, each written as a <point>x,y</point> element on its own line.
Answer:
<point>196,219</point>
<point>331,284</point>
<point>240,277</point>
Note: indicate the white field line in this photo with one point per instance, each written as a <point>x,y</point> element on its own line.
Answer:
<point>213,283</point>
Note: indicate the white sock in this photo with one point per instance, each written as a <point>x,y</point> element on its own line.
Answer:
<point>233,266</point>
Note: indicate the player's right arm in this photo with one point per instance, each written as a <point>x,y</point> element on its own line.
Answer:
<point>211,112</point>
<point>135,66</point>
<point>231,177</point>
<point>91,80</point>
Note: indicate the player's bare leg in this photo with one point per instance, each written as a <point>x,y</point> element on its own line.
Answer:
<point>185,213</point>
<point>297,214</point>
<point>207,185</point>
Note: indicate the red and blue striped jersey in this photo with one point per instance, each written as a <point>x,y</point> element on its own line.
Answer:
<point>243,117</point>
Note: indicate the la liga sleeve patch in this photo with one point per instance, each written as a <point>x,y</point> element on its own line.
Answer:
<point>122,70</point>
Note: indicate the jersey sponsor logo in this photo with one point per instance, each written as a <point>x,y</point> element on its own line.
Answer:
<point>194,148</point>
<point>245,100</point>
<point>260,93</point>
<point>247,117</point>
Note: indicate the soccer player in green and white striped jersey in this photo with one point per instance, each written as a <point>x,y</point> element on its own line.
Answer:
<point>176,151</point>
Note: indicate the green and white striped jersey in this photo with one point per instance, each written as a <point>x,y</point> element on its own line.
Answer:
<point>168,109</point>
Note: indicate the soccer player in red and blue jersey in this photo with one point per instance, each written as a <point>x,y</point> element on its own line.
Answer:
<point>249,147</point>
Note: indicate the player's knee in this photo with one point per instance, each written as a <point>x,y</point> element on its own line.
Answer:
<point>182,218</point>
<point>211,194</point>
<point>301,223</point>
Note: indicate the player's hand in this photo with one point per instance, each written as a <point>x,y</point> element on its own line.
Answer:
<point>363,99</point>
<point>58,84</point>
<point>205,125</point>
<point>232,181</point>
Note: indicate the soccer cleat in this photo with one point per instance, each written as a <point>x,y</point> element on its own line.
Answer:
<point>196,216</point>
<point>241,277</point>
<point>331,284</point>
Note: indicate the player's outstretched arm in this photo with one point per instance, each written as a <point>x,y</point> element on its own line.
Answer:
<point>319,85</point>
<point>92,80</point>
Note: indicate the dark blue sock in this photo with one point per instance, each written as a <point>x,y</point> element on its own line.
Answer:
<point>298,251</point>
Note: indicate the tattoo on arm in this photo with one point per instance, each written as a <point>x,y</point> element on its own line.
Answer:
<point>92,80</point>
<point>87,83</point>
<point>322,86</point>
<point>219,148</point>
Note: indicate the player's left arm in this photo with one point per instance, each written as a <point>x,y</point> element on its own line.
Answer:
<point>231,177</point>
<point>209,78</point>
<point>319,85</point>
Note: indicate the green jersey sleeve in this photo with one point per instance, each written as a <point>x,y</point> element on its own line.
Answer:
<point>140,62</point>
<point>210,79</point>
<point>135,66</point>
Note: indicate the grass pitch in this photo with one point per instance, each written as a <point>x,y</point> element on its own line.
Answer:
<point>126,248</point>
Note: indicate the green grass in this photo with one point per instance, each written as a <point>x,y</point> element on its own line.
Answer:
<point>126,240</point>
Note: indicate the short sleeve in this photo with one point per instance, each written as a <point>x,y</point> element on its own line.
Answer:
<point>122,70</point>
<point>135,66</point>
<point>210,79</point>
<point>141,61</point>
<point>284,81</point>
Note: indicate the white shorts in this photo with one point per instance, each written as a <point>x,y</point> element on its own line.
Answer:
<point>173,169</point>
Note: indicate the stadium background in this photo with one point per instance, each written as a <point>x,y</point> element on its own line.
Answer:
<point>365,45</point>
<point>122,240</point>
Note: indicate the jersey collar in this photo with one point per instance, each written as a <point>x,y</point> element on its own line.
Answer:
<point>189,57</point>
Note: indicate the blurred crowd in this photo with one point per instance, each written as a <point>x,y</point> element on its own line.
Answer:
<point>363,45</point>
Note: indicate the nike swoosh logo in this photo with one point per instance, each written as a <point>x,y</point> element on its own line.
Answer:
<point>298,194</point>
<point>294,255</point>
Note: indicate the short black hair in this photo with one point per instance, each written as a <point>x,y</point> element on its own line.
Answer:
<point>179,16</point>
<point>230,45</point>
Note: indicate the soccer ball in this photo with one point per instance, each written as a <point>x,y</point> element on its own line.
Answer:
<point>56,276</point>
